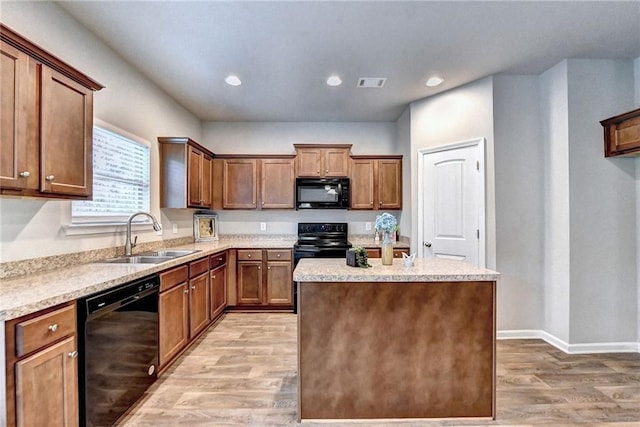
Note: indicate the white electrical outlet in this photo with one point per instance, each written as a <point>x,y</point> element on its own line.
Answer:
<point>263,226</point>
<point>367,226</point>
<point>175,228</point>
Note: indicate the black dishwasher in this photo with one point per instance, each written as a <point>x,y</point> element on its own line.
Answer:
<point>118,358</point>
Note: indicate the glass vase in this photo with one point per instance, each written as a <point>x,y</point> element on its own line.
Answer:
<point>387,249</point>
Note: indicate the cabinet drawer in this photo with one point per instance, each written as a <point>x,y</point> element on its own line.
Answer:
<point>278,255</point>
<point>43,330</point>
<point>373,253</point>
<point>397,253</point>
<point>198,267</point>
<point>218,259</point>
<point>249,254</point>
<point>174,277</point>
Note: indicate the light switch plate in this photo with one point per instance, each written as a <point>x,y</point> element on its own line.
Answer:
<point>175,228</point>
<point>263,226</point>
<point>367,226</point>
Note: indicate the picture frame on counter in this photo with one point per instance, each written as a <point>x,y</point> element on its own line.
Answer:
<point>205,227</point>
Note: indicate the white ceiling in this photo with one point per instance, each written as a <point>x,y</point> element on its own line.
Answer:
<point>283,51</point>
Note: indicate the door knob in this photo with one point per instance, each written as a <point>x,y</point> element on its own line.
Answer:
<point>427,244</point>
<point>73,354</point>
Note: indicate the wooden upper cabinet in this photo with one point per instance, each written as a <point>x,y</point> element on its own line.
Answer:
<point>199,179</point>
<point>47,123</point>
<point>362,184</point>
<point>66,135</point>
<point>376,182</point>
<point>185,173</point>
<point>239,184</point>
<point>622,134</point>
<point>277,182</point>
<point>322,160</point>
<point>19,125</point>
<point>252,182</point>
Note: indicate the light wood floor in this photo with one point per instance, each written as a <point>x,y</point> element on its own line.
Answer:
<point>242,372</point>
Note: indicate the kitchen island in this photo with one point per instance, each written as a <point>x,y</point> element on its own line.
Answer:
<point>391,342</point>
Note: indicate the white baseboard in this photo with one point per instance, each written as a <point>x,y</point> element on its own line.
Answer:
<point>587,348</point>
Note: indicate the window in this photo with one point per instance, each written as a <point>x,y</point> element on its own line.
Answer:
<point>121,168</point>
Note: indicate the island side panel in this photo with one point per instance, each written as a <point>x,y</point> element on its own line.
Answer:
<point>396,350</point>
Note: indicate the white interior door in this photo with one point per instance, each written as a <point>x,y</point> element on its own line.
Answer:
<point>451,218</point>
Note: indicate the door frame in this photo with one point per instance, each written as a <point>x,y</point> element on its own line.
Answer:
<point>479,143</point>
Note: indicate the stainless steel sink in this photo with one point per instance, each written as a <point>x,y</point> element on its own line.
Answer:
<point>169,253</point>
<point>138,259</point>
<point>153,257</point>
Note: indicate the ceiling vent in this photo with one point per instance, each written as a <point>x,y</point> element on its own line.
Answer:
<point>371,82</point>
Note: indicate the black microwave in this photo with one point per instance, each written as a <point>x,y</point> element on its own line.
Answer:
<point>322,193</point>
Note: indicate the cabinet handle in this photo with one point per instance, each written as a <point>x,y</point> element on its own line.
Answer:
<point>318,171</point>
<point>278,255</point>
<point>53,327</point>
<point>326,171</point>
<point>25,174</point>
<point>380,202</point>
<point>214,276</point>
<point>268,268</point>
<point>50,178</point>
<point>220,259</point>
<point>186,291</point>
<point>193,287</point>
<point>259,268</point>
<point>371,203</point>
<point>73,354</point>
<point>248,255</point>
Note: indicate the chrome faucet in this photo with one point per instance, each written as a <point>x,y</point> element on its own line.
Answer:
<point>128,245</point>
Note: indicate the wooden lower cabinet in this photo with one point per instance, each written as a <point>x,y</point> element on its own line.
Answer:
<point>198,304</point>
<point>249,282</point>
<point>264,278</point>
<point>173,307</point>
<point>183,307</point>
<point>218,292</point>
<point>47,387</point>
<point>41,369</point>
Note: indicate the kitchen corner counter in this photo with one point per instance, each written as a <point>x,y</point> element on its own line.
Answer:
<point>423,270</point>
<point>33,292</point>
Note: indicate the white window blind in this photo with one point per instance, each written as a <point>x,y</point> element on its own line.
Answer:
<point>121,168</point>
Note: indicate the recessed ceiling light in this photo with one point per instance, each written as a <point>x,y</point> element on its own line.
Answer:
<point>334,81</point>
<point>233,80</point>
<point>434,81</point>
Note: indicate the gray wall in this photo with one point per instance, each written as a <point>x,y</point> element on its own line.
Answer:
<point>555,134</point>
<point>519,201</point>
<point>278,138</point>
<point>32,228</point>
<point>403,141</point>
<point>457,115</point>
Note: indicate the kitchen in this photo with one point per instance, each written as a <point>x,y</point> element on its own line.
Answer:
<point>579,233</point>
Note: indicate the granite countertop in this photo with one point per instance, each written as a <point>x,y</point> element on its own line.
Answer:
<point>423,270</point>
<point>33,292</point>
<point>368,242</point>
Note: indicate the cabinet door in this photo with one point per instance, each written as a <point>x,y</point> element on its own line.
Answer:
<point>309,161</point>
<point>205,181</point>
<point>239,184</point>
<point>397,253</point>
<point>362,184</point>
<point>249,282</point>
<point>389,184</point>
<point>277,184</point>
<point>335,162</point>
<point>279,283</point>
<point>194,177</point>
<point>47,387</point>
<point>18,126</point>
<point>218,291</point>
<point>66,127</point>
<point>174,321</point>
<point>198,304</point>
